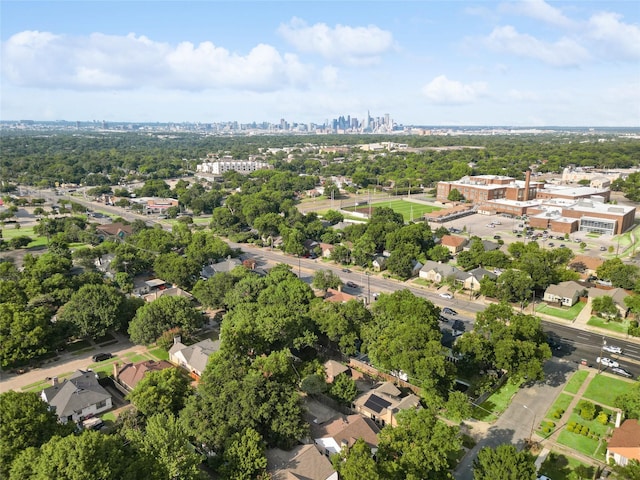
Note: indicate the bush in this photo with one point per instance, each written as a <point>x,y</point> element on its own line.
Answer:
<point>570,427</point>
<point>585,431</point>
<point>587,410</point>
<point>603,418</point>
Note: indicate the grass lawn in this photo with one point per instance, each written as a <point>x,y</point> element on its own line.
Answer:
<point>160,353</point>
<point>76,346</point>
<point>497,403</point>
<point>560,467</point>
<point>619,327</point>
<point>564,313</point>
<point>9,232</point>
<point>593,425</point>
<point>561,403</point>
<point>576,381</point>
<point>406,208</point>
<point>604,389</point>
<point>582,444</point>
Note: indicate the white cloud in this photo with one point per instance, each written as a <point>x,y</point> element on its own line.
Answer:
<point>42,59</point>
<point>562,53</point>
<point>616,38</point>
<point>523,95</point>
<point>441,90</point>
<point>342,43</point>
<point>539,10</point>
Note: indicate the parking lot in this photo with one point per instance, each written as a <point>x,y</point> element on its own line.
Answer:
<point>489,226</point>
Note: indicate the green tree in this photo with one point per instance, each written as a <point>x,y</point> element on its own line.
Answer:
<point>455,195</point>
<point>604,306</point>
<point>504,462</point>
<point>420,446</point>
<point>95,309</point>
<point>401,260</point>
<point>439,253</point>
<point>619,274</point>
<point>458,406</point>
<point>165,313</point>
<point>631,471</point>
<point>341,322</point>
<point>164,391</point>
<point>630,401</point>
<point>25,421</point>
<point>344,389</point>
<point>244,456</point>
<point>25,334</point>
<point>333,217</point>
<point>514,286</point>
<point>211,292</point>
<point>174,268</point>
<point>356,463</point>
<point>325,279</point>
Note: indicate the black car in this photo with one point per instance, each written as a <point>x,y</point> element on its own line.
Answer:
<point>352,285</point>
<point>346,270</point>
<point>444,319</point>
<point>101,357</point>
<point>449,311</point>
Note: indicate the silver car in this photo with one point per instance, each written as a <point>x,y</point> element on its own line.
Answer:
<point>612,349</point>
<point>607,362</point>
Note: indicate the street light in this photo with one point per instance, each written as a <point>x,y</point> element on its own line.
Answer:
<point>533,423</point>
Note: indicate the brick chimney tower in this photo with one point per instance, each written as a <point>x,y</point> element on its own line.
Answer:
<point>527,182</point>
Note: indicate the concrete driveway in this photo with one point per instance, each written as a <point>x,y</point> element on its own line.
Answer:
<point>526,409</point>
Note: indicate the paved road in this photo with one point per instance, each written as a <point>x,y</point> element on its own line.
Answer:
<point>516,424</point>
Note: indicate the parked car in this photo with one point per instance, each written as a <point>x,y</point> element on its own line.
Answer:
<point>352,285</point>
<point>101,357</point>
<point>603,248</point>
<point>496,237</point>
<point>621,372</point>
<point>607,362</point>
<point>612,349</point>
<point>449,311</point>
<point>446,295</point>
<point>551,244</point>
<point>444,319</point>
<point>346,270</point>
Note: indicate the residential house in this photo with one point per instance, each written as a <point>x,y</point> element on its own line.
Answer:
<point>225,266</point>
<point>416,266</point>
<point>380,263</point>
<point>193,358</point>
<point>617,294</point>
<point>490,246</point>
<point>169,292</point>
<point>309,245</point>
<point>585,265</point>
<point>130,374</point>
<point>145,285</point>
<point>332,369</point>
<point>343,431</point>
<point>384,402</point>
<point>338,296</point>
<point>475,275</point>
<point>77,397</point>
<point>439,272</point>
<point>326,249</point>
<point>565,293</point>
<point>113,230</point>
<point>103,264</point>
<point>454,243</point>
<point>624,445</point>
<point>303,462</point>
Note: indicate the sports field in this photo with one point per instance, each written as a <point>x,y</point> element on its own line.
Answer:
<point>409,210</point>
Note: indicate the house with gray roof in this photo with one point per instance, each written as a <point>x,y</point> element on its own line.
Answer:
<point>439,272</point>
<point>77,397</point>
<point>384,402</point>
<point>194,357</point>
<point>303,462</point>
<point>565,293</point>
<point>225,266</point>
<point>617,294</point>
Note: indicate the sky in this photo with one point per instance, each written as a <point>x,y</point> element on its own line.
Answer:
<point>512,63</point>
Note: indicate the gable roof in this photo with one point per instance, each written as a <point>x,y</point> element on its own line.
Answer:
<point>303,462</point>
<point>115,229</point>
<point>386,398</point>
<point>625,440</point>
<point>130,374</point>
<point>196,355</point>
<point>334,295</point>
<point>444,269</point>
<point>564,289</point>
<point>78,392</point>
<point>452,241</point>
<point>333,368</point>
<point>479,273</point>
<point>618,295</point>
<point>345,430</point>
<point>170,292</point>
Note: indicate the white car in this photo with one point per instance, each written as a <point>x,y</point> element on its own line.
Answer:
<point>612,349</point>
<point>607,362</point>
<point>621,371</point>
<point>446,295</point>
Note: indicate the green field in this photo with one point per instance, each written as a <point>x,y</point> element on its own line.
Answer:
<point>409,210</point>
<point>565,313</point>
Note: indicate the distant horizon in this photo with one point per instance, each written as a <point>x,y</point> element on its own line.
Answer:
<point>522,63</point>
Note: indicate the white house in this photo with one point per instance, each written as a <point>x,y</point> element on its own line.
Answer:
<point>193,358</point>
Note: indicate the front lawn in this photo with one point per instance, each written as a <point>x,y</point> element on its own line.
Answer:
<point>160,353</point>
<point>77,346</point>
<point>563,313</point>
<point>561,467</point>
<point>604,389</point>
<point>586,445</point>
<point>576,381</point>
<point>497,403</point>
<point>562,403</point>
<point>619,327</point>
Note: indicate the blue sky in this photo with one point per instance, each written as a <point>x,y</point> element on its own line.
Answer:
<point>522,63</point>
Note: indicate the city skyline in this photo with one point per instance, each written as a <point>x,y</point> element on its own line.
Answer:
<point>525,64</point>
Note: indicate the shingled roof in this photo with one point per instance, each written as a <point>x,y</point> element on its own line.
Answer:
<point>80,391</point>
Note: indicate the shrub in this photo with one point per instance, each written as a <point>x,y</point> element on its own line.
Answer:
<point>603,418</point>
<point>587,410</point>
<point>570,427</point>
<point>585,431</point>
